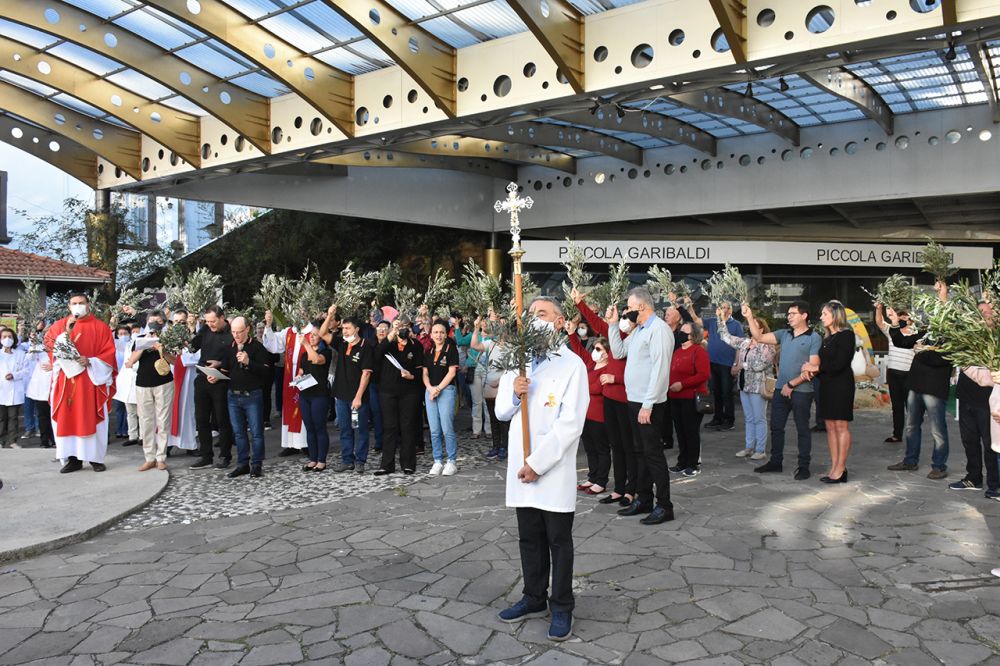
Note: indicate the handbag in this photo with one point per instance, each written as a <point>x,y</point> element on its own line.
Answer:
<point>703,403</point>
<point>770,383</point>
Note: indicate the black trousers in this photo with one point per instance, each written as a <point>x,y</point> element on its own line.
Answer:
<point>9,424</point>
<point>211,403</point>
<point>651,462</point>
<point>500,430</point>
<point>722,391</point>
<point>265,413</point>
<point>595,444</point>
<point>667,429</point>
<point>44,411</point>
<point>619,432</point>
<point>545,539</point>
<point>897,395</point>
<point>974,428</point>
<point>402,428</point>
<point>687,423</point>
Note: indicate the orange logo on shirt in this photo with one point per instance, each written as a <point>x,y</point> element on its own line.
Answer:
<point>551,400</point>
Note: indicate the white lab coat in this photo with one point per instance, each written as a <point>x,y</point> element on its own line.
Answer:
<point>558,398</point>
<point>40,383</point>
<point>15,363</point>
<point>274,342</point>
<point>125,381</point>
<point>33,351</point>
<point>185,437</point>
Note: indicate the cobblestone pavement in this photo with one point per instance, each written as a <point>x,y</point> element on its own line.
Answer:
<point>890,568</point>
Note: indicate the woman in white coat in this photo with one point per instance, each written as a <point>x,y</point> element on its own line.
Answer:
<point>13,371</point>
<point>38,387</point>
<point>542,487</point>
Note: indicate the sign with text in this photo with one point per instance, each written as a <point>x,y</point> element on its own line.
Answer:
<point>753,252</point>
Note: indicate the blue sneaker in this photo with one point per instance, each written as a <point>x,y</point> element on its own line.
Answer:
<point>522,611</point>
<point>492,453</point>
<point>993,495</point>
<point>501,455</point>
<point>561,627</point>
<point>964,484</point>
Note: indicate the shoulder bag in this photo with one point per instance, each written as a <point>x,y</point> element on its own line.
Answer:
<point>703,403</point>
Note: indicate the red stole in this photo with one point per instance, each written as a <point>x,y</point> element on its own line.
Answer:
<point>291,415</point>
<point>175,412</point>
<point>77,405</point>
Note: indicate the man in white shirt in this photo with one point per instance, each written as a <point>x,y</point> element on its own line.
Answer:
<point>542,487</point>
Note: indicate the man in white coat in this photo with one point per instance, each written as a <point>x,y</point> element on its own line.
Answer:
<point>288,343</point>
<point>542,487</point>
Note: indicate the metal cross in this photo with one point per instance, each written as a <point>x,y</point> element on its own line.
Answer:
<point>514,205</point>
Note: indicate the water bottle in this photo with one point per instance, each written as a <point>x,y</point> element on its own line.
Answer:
<point>354,419</point>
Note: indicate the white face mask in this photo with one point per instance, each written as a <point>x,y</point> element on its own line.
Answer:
<point>624,325</point>
<point>597,355</point>
<point>134,336</point>
<point>78,309</point>
<point>7,343</point>
<point>350,340</point>
<point>582,332</point>
<point>541,325</point>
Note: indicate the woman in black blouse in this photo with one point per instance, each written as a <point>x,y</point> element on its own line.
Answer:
<point>314,402</point>
<point>399,359</point>
<point>836,400</point>
<point>440,368</point>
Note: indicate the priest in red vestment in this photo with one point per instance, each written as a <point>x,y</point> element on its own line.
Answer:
<point>82,387</point>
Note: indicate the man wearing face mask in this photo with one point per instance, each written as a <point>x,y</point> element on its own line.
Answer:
<point>647,353</point>
<point>154,392</point>
<point>401,392</point>
<point>542,487</point>
<point>82,388</point>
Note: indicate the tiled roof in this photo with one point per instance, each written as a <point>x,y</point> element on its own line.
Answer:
<point>14,263</point>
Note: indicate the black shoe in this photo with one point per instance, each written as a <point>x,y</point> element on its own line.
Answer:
<point>308,468</point>
<point>420,451</point>
<point>676,469</point>
<point>802,473</point>
<point>201,463</point>
<point>407,471</point>
<point>223,463</point>
<point>46,445</point>
<point>818,428</point>
<point>99,467</point>
<point>714,423</point>
<point>239,471</point>
<point>634,509</point>
<point>769,466</point>
<point>378,450</point>
<point>610,500</point>
<point>267,425</point>
<point>658,515</point>
<point>256,471</point>
<point>893,439</point>
<point>842,479</point>
<point>192,453</point>
<point>728,425</point>
<point>131,442</point>
<point>72,465</point>
<point>901,467</point>
<point>288,452</point>
<point>624,501</point>
<point>383,472</point>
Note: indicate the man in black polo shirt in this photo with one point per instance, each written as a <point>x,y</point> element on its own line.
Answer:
<point>213,340</point>
<point>355,361</point>
<point>250,371</point>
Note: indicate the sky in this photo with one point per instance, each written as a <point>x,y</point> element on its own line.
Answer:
<point>36,187</point>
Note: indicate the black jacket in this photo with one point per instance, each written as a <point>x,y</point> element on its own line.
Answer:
<point>930,372</point>
<point>411,358</point>
<point>214,346</point>
<point>257,375</point>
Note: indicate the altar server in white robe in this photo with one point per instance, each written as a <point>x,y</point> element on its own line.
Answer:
<point>13,371</point>
<point>125,388</point>
<point>542,487</point>
<point>288,342</point>
<point>182,428</point>
<point>38,390</point>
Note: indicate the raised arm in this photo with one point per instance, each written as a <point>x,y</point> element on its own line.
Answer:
<point>619,348</point>
<point>755,332</point>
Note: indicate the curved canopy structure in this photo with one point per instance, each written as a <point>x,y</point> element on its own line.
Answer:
<point>157,91</point>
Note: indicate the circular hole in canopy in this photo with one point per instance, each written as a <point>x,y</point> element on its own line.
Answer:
<point>52,16</point>
<point>642,55</point>
<point>413,44</point>
<point>269,51</point>
<point>60,119</point>
<point>903,142</point>
<point>194,6</point>
<point>185,78</point>
<point>719,42</point>
<point>225,97</point>
<point>676,37</point>
<point>44,67</point>
<point>601,54</point>
<point>599,177</point>
<point>502,85</point>
<point>820,19</point>
<point>98,134</point>
<point>924,6</point>
<point>316,127</point>
<point>387,101</point>
<point>529,70</point>
<point>16,132</point>
<point>155,117</point>
<point>543,7</point>
<point>374,16</point>
<point>110,40</point>
<point>463,84</point>
<point>361,116</point>
<point>985,135</point>
<point>309,74</point>
<point>954,136</point>
<point>116,100</point>
<point>411,96</point>
<point>765,18</point>
<point>54,146</point>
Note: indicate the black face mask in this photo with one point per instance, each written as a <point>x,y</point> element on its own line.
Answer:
<point>154,327</point>
<point>680,337</point>
<point>632,316</point>
<point>404,333</point>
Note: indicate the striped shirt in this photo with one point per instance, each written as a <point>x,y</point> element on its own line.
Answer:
<point>897,359</point>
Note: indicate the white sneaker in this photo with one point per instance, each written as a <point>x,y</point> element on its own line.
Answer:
<point>996,572</point>
<point>758,456</point>
<point>15,445</point>
<point>436,469</point>
<point>743,453</point>
<point>450,468</point>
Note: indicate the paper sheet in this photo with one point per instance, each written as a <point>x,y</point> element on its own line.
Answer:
<point>211,372</point>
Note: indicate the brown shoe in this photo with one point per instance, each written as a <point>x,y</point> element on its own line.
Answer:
<point>147,466</point>
<point>937,474</point>
<point>161,465</point>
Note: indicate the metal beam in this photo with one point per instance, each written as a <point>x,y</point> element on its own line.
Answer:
<point>562,136</point>
<point>845,85</point>
<point>244,111</point>
<point>949,12</point>
<point>429,60</point>
<point>558,27</point>
<point>652,124</point>
<point>120,146</point>
<point>326,88</point>
<point>71,157</point>
<point>391,158</point>
<point>176,130</point>
<point>980,56</point>
<point>725,102</point>
<point>462,146</point>
<point>732,16</point>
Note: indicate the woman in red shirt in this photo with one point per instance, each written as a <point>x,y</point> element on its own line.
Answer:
<point>595,437</point>
<point>616,422</point>
<point>689,372</point>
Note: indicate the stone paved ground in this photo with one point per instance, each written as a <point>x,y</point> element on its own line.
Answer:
<point>890,568</point>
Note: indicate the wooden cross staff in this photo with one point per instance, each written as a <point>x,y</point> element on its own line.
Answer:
<point>514,204</point>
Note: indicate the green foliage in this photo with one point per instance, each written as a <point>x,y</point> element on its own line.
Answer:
<point>895,292</point>
<point>201,289</point>
<point>30,305</point>
<point>407,300</point>
<point>728,286</point>
<point>520,345</point>
<point>130,297</point>
<point>439,293</point>
<point>579,278</point>
<point>937,261</point>
<point>957,328</point>
<point>274,290</point>
<point>991,284</point>
<point>352,291</point>
<point>612,291</point>
<point>173,339</point>
<point>478,293</point>
<point>308,298</point>
<point>173,287</point>
<point>385,283</point>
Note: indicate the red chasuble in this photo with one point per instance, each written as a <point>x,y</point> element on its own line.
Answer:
<point>291,414</point>
<point>78,405</point>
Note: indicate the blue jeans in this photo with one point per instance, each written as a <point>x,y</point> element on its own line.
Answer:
<point>441,418</point>
<point>119,416</point>
<point>31,417</point>
<point>246,410</point>
<point>755,416</point>
<point>376,415</point>
<point>916,405</point>
<point>314,411</point>
<point>353,449</point>
<point>798,406</point>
